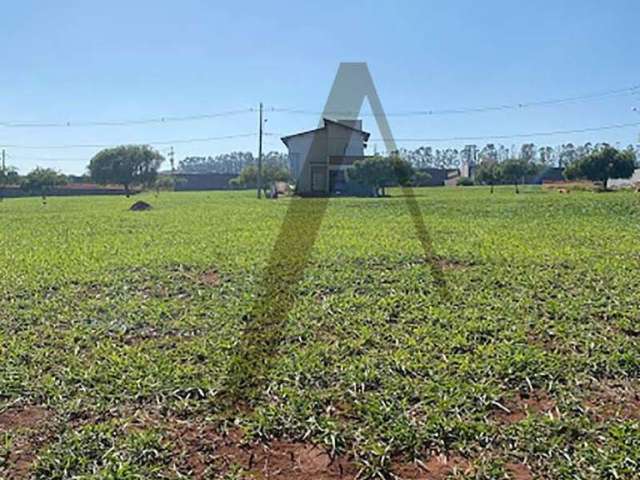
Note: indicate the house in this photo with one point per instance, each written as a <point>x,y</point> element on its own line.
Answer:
<point>626,182</point>
<point>438,177</point>
<point>319,158</point>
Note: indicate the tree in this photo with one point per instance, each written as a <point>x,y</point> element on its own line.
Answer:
<point>127,165</point>
<point>528,152</point>
<point>546,155</point>
<point>421,179</point>
<point>232,162</point>
<point>567,154</point>
<point>8,176</point>
<point>603,163</point>
<point>42,181</point>
<point>272,171</point>
<point>164,183</point>
<point>401,171</point>
<point>378,172</point>
<point>515,169</point>
<point>489,152</point>
<point>488,172</point>
<point>371,172</point>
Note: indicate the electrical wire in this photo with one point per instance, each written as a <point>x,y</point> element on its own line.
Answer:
<point>107,145</point>
<point>505,136</point>
<point>635,89</point>
<point>517,135</point>
<point>120,123</point>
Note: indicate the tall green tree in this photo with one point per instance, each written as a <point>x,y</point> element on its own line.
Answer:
<point>42,181</point>
<point>515,169</point>
<point>272,171</point>
<point>126,165</point>
<point>164,183</point>
<point>379,172</point>
<point>489,172</point>
<point>603,163</point>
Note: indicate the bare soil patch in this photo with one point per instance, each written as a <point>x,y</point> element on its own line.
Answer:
<point>448,264</point>
<point>30,431</point>
<point>438,467</point>
<point>517,409</point>
<point>519,471</point>
<point>614,401</point>
<point>27,417</point>
<point>210,278</point>
<point>201,451</point>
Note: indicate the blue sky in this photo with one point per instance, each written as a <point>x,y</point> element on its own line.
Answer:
<point>103,61</point>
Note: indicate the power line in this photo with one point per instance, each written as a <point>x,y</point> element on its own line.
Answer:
<point>107,145</point>
<point>494,108</point>
<point>518,135</point>
<point>260,133</point>
<point>120,123</point>
<point>634,89</point>
<point>507,136</point>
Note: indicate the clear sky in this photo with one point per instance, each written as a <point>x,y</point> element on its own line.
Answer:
<point>118,60</point>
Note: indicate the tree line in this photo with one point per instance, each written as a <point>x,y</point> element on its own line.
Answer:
<point>232,162</point>
<point>138,165</point>
<point>599,164</point>
<point>420,158</point>
<point>552,156</point>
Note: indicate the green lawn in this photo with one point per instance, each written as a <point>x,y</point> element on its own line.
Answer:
<point>118,328</point>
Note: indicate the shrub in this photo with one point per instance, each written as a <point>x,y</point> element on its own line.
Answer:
<point>465,182</point>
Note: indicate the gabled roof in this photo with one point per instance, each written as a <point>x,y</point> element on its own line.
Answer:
<point>326,121</point>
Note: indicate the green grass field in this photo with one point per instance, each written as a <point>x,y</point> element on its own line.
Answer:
<point>117,330</point>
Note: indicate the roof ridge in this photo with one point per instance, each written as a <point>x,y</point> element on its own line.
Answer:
<point>325,120</point>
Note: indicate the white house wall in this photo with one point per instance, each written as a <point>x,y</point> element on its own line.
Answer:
<point>299,148</point>
<point>355,146</point>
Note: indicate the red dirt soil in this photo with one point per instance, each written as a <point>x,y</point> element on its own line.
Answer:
<point>438,467</point>
<point>614,401</point>
<point>523,405</point>
<point>210,278</point>
<point>204,450</point>
<point>519,471</point>
<point>21,418</point>
<point>29,425</point>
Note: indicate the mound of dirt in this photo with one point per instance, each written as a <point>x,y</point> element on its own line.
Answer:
<point>140,207</point>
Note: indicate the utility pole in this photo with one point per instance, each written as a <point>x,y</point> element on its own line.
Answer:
<point>171,161</point>
<point>259,180</point>
<point>4,165</point>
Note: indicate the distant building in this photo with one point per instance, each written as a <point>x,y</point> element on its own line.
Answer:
<point>626,182</point>
<point>319,158</point>
<point>438,177</point>
<point>548,175</point>
<point>468,169</point>
<point>469,157</point>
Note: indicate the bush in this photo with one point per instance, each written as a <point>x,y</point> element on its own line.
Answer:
<point>465,182</point>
